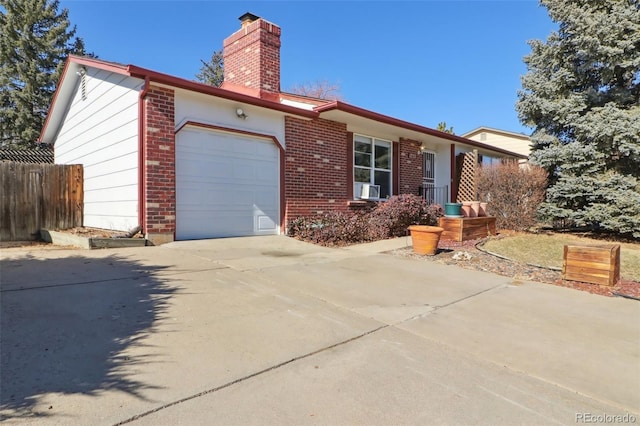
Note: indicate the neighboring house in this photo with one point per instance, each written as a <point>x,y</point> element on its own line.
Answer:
<point>510,141</point>
<point>42,154</point>
<point>186,160</point>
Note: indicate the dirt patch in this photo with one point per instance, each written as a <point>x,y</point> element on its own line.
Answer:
<point>22,244</point>
<point>467,255</point>
<point>87,232</point>
<point>81,231</point>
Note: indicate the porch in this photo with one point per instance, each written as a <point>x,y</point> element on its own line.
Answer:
<point>434,194</point>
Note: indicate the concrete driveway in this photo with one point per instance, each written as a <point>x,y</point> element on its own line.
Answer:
<point>272,331</point>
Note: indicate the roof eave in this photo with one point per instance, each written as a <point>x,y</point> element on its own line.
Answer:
<point>494,130</point>
<point>351,109</point>
<point>194,86</point>
<point>47,133</point>
<point>166,79</point>
<point>46,125</point>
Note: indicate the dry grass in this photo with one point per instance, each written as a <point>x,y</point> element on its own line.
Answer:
<point>547,250</point>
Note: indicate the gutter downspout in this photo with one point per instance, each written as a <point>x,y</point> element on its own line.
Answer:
<point>142,124</point>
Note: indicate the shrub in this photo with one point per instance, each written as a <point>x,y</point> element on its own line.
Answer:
<point>513,193</point>
<point>331,229</point>
<point>388,219</point>
<point>392,217</point>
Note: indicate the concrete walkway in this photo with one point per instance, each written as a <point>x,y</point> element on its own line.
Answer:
<point>270,330</point>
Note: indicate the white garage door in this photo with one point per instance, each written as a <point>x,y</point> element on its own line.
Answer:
<point>227,185</point>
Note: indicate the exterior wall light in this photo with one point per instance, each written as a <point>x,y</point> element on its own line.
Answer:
<point>241,114</point>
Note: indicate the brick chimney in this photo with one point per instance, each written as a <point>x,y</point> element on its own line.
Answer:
<point>252,58</point>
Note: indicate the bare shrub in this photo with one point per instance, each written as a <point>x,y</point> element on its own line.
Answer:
<point>331,229</point>
<point>388,219</point>
<point>392,217</point>
<point>513,193</point>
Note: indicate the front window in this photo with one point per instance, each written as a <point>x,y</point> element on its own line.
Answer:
<point>485,160</point>
<point>372,164</point>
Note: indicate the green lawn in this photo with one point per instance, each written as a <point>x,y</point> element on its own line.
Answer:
<point>547,250</point>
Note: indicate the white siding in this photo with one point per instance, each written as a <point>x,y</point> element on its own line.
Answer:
<point>443,160</point>
<point>201,108</point>
<point>443,166</point>
<point>519,145</point>
<point>101,133</point>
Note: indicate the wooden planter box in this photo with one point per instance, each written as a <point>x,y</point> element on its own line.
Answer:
<point>467,228</point>
<point>592,264</point>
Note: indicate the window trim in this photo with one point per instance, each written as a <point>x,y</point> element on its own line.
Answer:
<point>373,141</point>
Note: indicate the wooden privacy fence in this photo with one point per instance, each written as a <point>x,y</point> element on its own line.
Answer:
<point>39,196</point>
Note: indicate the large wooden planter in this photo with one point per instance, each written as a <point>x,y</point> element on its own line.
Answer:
<point>592,264</point>
<point>467,228</point>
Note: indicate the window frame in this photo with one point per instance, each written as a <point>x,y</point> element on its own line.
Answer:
<point>373,142</point>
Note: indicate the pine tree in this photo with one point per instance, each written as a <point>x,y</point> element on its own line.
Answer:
<point>212,72</point>
<point>36,39</point>
<point>442,126</point>
<point>581,95</point>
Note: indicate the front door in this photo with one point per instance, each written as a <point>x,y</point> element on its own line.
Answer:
<point>429,176</point>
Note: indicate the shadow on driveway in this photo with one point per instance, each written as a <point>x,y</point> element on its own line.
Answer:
<point>68,329</point>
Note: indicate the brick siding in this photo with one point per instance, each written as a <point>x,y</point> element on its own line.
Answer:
<point>410,164</point>
<point>317,171</point>
<point>159,162</point>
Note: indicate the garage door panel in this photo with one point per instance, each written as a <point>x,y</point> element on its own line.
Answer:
<point>209,225</point>
<point>228,223</point>
<point>266,224</point>
<point>226,185</point>
<point>243,148</point>
<point>265,175</point>
<point>244,172</point>
<point>262,198</point>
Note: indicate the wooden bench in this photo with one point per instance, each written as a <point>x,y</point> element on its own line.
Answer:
<point>467,228</point>
<point>592,264</point>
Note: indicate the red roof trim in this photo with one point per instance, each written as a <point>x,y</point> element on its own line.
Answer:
<point>97,63</point>
<point>182,83</point>
<point>53,101</point>
<point>341,106</point>
<point>157,77</point>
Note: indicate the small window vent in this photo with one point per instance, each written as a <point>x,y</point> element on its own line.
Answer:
<point>83,83</point>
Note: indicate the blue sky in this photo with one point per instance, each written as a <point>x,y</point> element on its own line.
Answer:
<point>420,61</point>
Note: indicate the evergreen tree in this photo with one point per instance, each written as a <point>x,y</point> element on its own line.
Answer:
<point>36,40</point>
<point>442,126</point>
<point>581,95</point>
<point>212,72</point>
